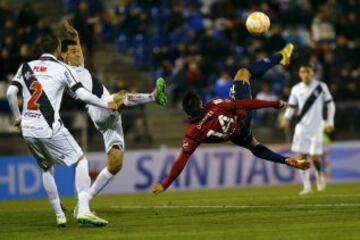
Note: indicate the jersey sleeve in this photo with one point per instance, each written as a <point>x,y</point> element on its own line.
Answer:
<point>17,79</point>
<point>189,146</point>
<point>255,104</point>
<point>327,95</point>
<point>71,78</point>
<point>293,102</point>
<point>328,100</point>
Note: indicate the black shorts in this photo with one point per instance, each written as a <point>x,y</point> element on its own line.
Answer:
<point>241,90</point>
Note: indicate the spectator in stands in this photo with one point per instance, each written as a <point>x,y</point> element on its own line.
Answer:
<point>265,115</point>
<point>223,85</point>
<point>178,81</point>
<point>27,15</point>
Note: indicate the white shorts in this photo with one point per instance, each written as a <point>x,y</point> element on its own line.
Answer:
<point>61,149</point>
<point>307,143</point>
<point>109,125</point>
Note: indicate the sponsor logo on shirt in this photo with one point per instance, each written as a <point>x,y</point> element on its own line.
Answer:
<point>41,69</point>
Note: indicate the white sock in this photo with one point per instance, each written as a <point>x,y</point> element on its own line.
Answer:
<point>133,99</point>
<point>101,181</point>
<point>52,192</point>
<point>319,176</point>
<point>305,177</point>
<point>82,184</point>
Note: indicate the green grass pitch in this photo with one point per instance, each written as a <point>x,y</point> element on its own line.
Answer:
<point>243,213</point>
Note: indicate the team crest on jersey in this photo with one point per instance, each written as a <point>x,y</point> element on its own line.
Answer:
<point>207,116</point>
<point>28,75</point>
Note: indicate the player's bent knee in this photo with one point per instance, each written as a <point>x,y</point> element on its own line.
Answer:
<point>243,74</point>
<point>251,143</point>
<point>115,160</point>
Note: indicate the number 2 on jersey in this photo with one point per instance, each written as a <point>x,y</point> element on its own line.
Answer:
<point>33,102</point>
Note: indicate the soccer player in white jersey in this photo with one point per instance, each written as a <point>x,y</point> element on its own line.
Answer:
<point>308,99</point>
<point>42,83</point>
<point>107,122</point>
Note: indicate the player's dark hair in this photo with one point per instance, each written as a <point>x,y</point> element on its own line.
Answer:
<point>66,43</point>
<point>306,65</point>
<point>191,104</point>
<point>48,44</point>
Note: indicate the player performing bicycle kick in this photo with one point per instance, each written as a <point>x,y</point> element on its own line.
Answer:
<point>222,120</point>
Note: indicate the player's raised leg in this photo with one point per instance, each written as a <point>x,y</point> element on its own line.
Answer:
<point>158,95</point>
<point>241,89</point>
<point>259,68</point>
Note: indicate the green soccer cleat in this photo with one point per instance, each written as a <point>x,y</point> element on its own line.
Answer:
<point>90,218</point>
<point>286,53</point>
<point>61,221</point>
<point>159,92</point>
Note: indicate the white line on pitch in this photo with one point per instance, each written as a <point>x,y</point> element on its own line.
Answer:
<point>236,206</point>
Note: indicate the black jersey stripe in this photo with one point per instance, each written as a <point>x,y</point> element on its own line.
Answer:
<point>329,101</point>
<point>76,87</point>
<point>45,106</point>
<point>16,84</point>
<point>97,86</point>
<point>310,102</point>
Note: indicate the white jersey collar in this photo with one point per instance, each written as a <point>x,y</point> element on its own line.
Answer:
<point>48,55</point>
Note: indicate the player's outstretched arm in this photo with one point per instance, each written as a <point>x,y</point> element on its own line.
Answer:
<point>91,99</point>
<point>75,35</point>
<point>257,104</point>
<point>175,171</point>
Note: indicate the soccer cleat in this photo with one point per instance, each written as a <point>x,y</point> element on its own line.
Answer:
<point>305,191</point>
<point>299,164</point>
<point>286,53</point>
<point>61,220</point>
<point>90,218</point>
<point>159,92</point>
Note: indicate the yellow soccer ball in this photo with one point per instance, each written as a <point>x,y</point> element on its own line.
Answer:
<point>257,23</point>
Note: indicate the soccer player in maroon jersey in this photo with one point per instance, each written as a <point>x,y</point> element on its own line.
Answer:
<point>222,120</point>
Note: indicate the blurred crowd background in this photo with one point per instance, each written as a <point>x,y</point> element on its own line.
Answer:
<point>197,44</point>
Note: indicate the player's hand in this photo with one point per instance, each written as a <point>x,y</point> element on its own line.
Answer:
<point>70,29</point>
<point>284,123</point>
<point>112,105</point>
<point>283,104</point>
<point>17,124</point>
<point>329,129</point>
<point>157,188</point>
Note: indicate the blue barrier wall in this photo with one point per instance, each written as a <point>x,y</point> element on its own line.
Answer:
<point>20,177</point>
<point>209,167</point>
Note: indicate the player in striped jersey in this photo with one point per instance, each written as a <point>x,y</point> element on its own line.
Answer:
<point>42,83</point>
<point>107,122</point>
<point>307,99</point>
